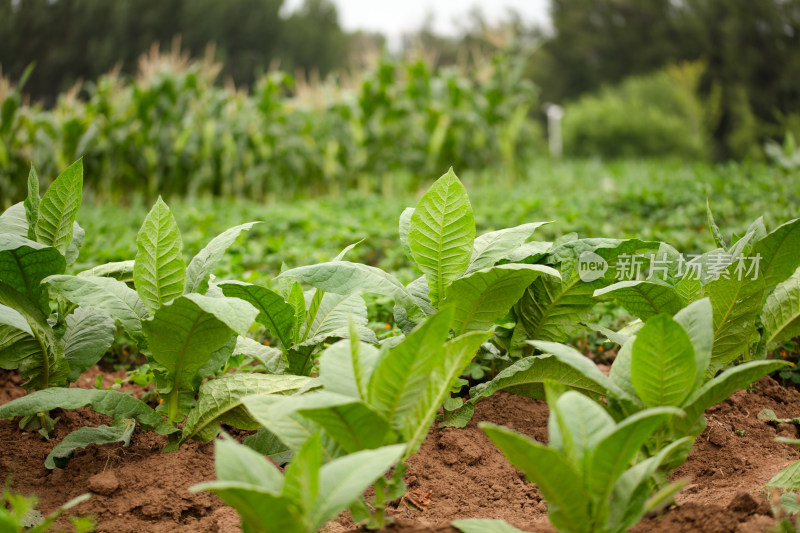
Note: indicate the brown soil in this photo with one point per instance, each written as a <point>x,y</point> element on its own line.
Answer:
<point>456,474</point>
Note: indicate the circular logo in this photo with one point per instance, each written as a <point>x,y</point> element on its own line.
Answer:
<point>591,266</point>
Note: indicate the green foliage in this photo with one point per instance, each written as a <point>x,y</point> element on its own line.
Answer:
<point>371,398</point>
<point>306,497</point>
<point>119,430</point>
<point>655,115</point>
<point>586,473</point>
<point>172,131</point>
<point>596,42</point>
<point>441,233</point>
<point>40,238</point>
<point>18,513</point>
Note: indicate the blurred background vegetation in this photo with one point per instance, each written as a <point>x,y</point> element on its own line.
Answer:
<point>244,98</point>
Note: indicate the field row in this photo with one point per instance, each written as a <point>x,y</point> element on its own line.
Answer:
<point>295,356</point>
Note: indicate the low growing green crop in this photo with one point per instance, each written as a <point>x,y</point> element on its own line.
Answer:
<point>374,397</point>
<point>586,472</point>
<point>187,332</point>
<point>308,494</point>
<point>665,364</point>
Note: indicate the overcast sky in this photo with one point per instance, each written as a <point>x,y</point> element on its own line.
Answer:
<point>395,17</point>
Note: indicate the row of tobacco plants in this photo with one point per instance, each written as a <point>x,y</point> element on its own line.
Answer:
<point>342,407</point>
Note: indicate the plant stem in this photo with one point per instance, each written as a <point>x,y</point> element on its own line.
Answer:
<point>380,506</point>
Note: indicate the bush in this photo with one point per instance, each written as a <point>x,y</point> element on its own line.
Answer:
<point>654,115</point>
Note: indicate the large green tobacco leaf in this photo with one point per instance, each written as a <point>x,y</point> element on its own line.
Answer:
<point>346,367</point>
<point>89,334</point>
<point>577,426</point>
<point>202,265</point>
<point>788,478</point>
<point>271,358</point>
<point>350,422</point>
<point>119,270</point>
<point>644,299</point>
<point>333,315</point>
<point>159,272</point>
<point>301,477</point>
<point>527,376</point>
<point>183,335</point>
<point>781,313</point>
<point>24,264</point>
<point>722,386</point>
<point>108,402</point>
<point>620,372</point>
<point>274,312</point>
<point>235,462</point>
<point>616,450</point>
<point>486,295</point>
<point>405,224</point>
<point>58,208</point>
<point>493,246</point>
<point>220,401</point>
<point>697,320</point>
<point>557,480</point>
<point>278,414</point>
<point>47,367</point>
<point>13,319</point>
<point>344,277</point>
<point>402,375</point>
<point>632,489</point>
<point>736,303</point>
<point>78,236</point>
<point>576,360</point>
<point>16,345</point>
<point>552,309</point>
<point>12,221</point>
<point>252,485</point>
<point>663,366</point>
<point>107,294</point>
<point>441,234</point>
<point>343,480</point>
<point>261,511</point>
<point>31,203</point>
<point>778,252</point>
<point>119,431</point>
<point>456,355</point>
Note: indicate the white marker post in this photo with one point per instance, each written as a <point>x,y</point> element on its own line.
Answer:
<point>554,115</point>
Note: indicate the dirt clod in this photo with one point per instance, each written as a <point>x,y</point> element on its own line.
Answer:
<point>104,483</point>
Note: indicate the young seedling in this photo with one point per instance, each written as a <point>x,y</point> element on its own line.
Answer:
<point>586,472</point>
<point>303,499</point>
<point>372,398</point>
<point>665,364</point>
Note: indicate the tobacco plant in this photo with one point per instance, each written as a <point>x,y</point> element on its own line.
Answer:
<point>301,321</point>
<point>586,472</point>
<point>306,496</point>
<point>186,332</point>
<point>752,285</point>
<point>473,275</point>
<point>665,364</point>
<point>51,344</point>
<point>374,397</point>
